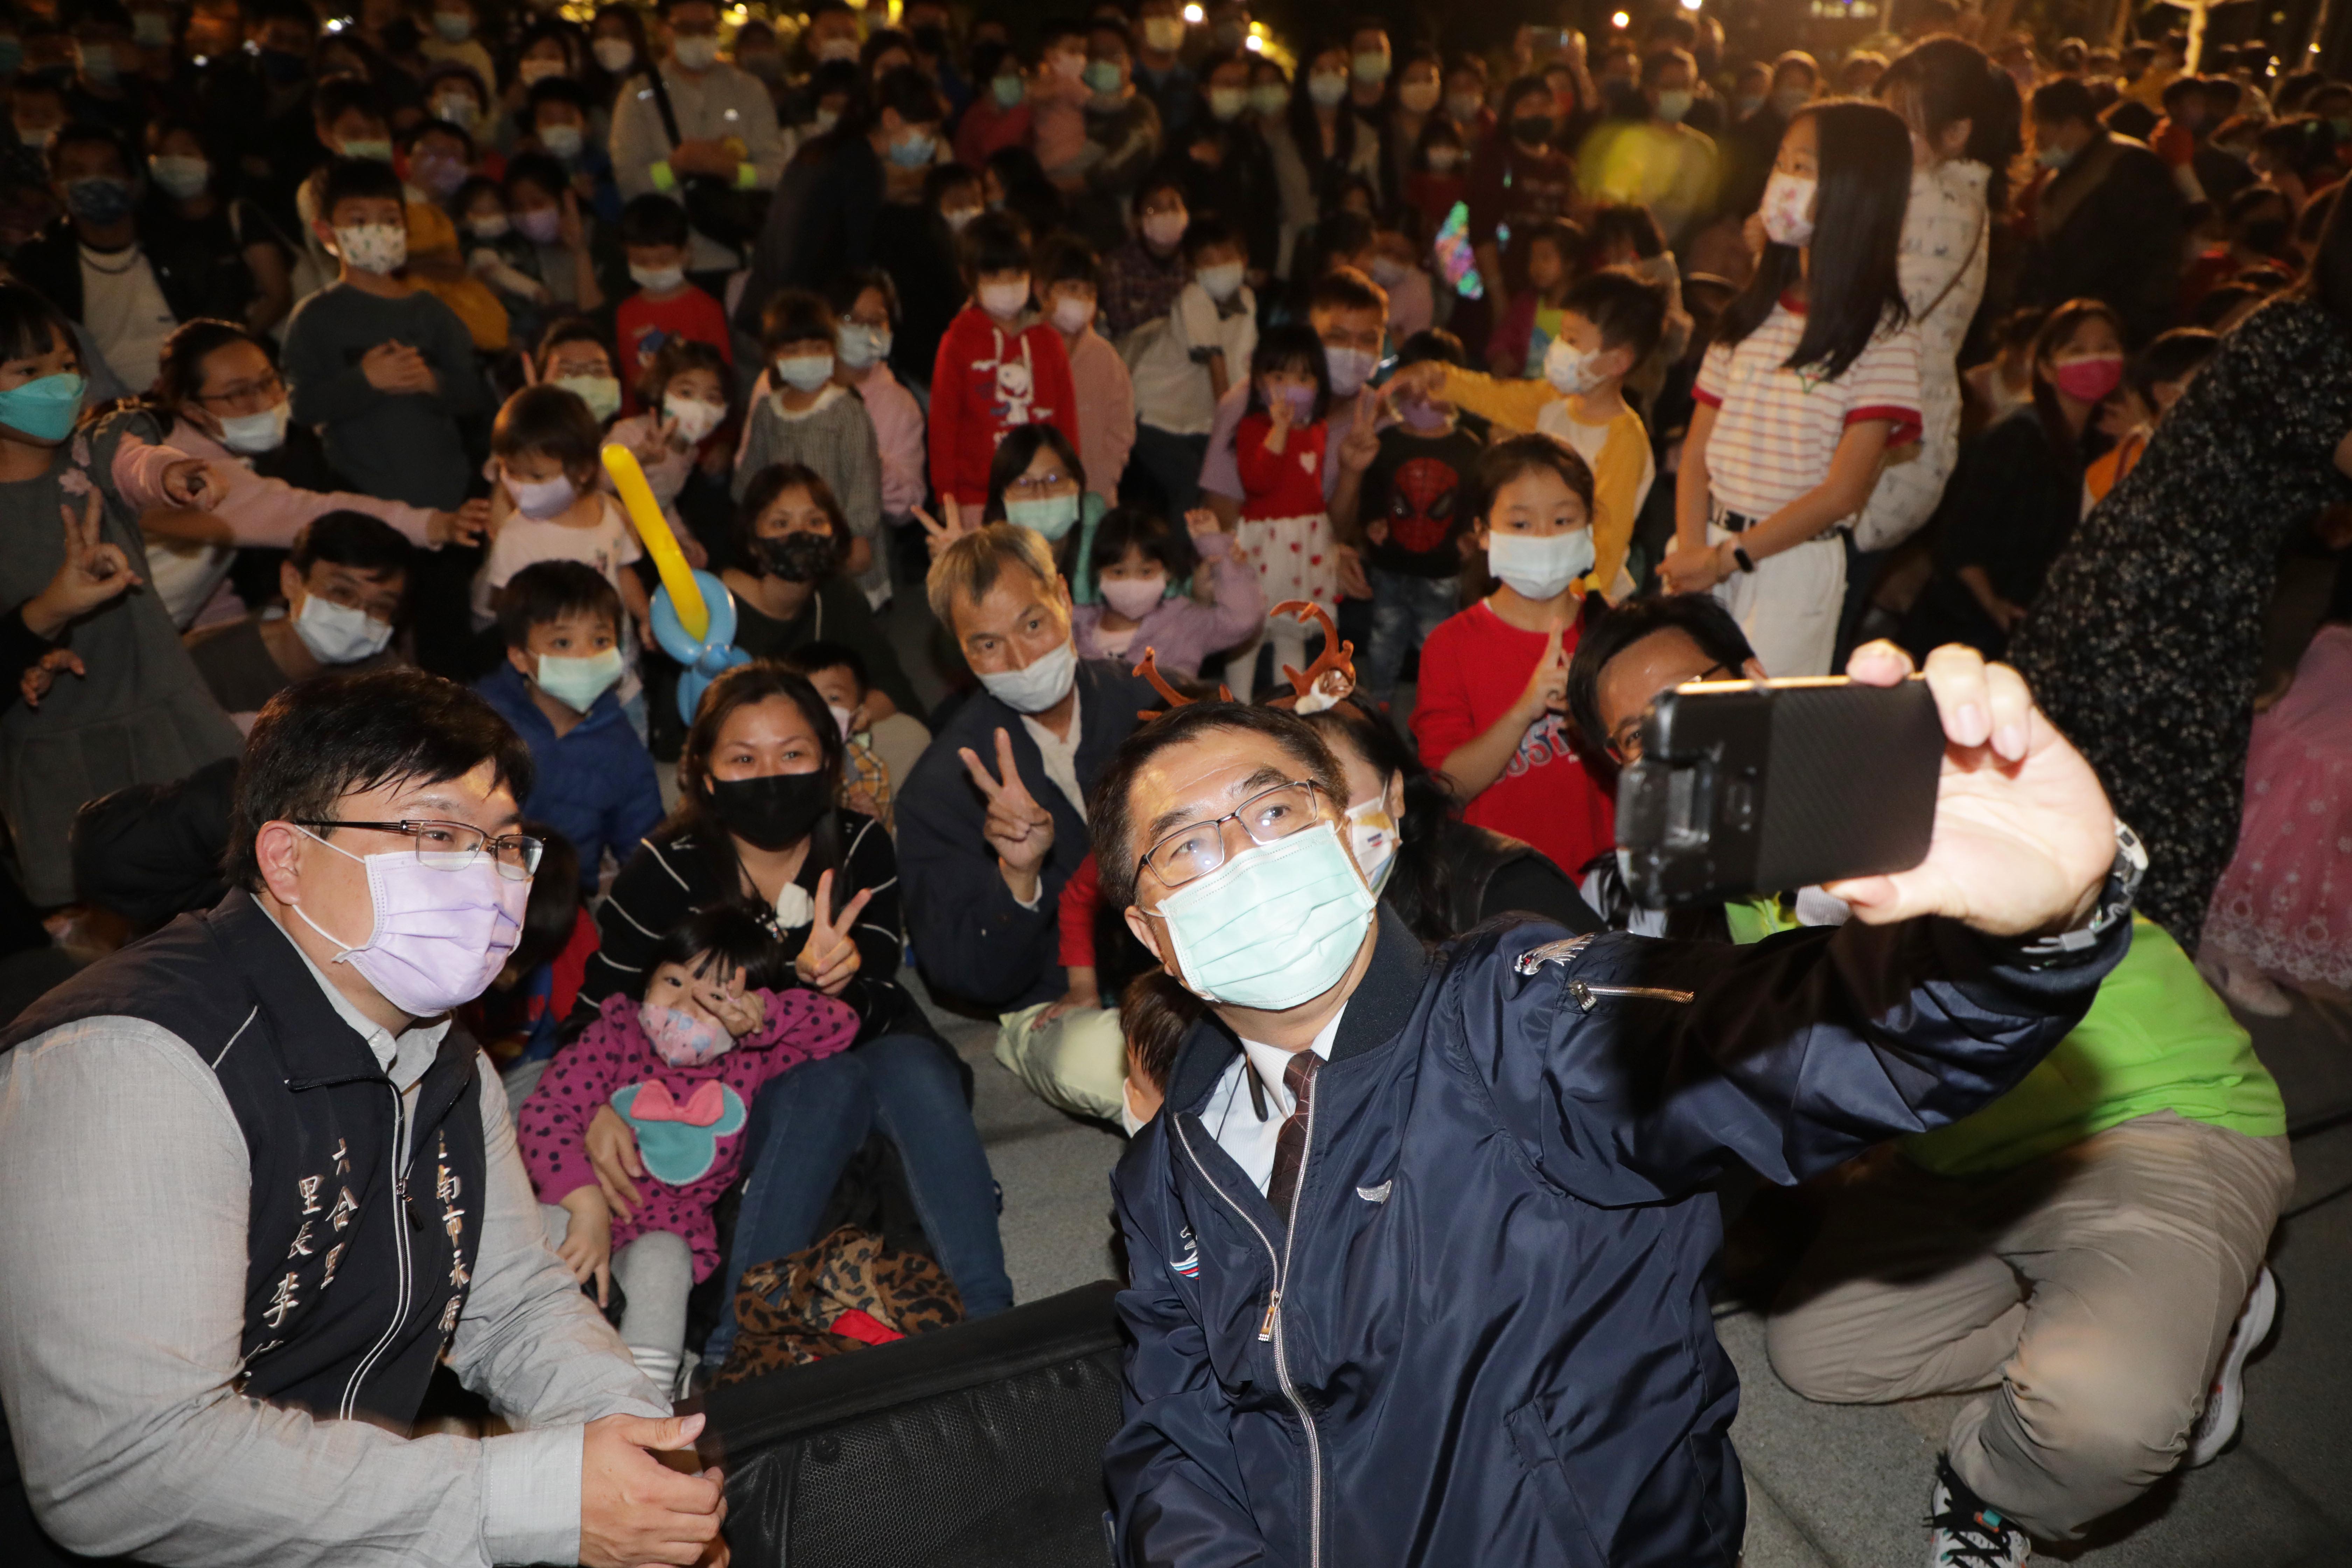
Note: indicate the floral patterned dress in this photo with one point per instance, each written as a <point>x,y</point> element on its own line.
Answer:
<point>2144,646</point>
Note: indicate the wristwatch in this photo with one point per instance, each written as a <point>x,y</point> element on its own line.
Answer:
<point>2114,903</point>
<point>1739,554</point>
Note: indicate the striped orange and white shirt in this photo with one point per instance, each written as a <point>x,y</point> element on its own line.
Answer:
<point>1776,430</point>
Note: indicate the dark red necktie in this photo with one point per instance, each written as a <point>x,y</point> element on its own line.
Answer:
<point>1291,1143</point>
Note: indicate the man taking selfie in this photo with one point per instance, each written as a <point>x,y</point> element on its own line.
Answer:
<point>1417,1248</point>
<point>254,1187</point>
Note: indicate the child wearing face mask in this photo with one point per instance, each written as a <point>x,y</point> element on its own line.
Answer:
<point>1609,326</point>
<point>1812,381</point>
<point>718,1019</point>
<point>1183,363</point>
<point>1280,449</point>
<point>548,229</point>
<point>801,414</point>
<point>994,373</point>
<point>1413,515</point>
<point>680,443</point>
<point>1069,285</point>
<point>865,309</point>
<point>1439,176</point>
<point>879,744</point>
<point>544,449</point>
<point>1549,256</point>
<point>1490,714</point>
<point>592,780</point>
<point>1139,565</point>
<point>658,243</point>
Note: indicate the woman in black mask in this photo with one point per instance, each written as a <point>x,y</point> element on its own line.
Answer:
<point>789,540</point>
<point>756,826</point>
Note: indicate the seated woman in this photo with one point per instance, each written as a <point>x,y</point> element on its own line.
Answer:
<point>217,398</point>
<point>2017,492</point>
<point>756,826</point>
<point>792,541</point>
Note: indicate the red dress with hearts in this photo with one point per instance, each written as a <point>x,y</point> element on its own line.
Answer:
<point>689,1120</point>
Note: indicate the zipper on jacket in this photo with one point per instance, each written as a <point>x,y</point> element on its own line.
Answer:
<point>1272,1326</point>
<point>1586,993</point>
<point>399,1251</point>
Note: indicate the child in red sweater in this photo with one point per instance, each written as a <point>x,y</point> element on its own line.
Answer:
<point>992,373</point>
<point>1490,714</point>
<point>665,307</point>
<point>1279,449</point>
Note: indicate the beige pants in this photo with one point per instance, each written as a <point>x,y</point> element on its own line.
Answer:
<point>1077,1062</point>
<point>2089,1294</point>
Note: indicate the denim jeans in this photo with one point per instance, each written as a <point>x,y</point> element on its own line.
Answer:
<point>1405,610</point>
<point>805,1125</point>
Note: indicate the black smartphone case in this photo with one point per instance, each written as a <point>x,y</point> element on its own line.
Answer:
<point>1750,786</point>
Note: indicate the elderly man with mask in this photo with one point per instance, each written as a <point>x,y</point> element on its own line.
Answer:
<point>993,820</point>
<point>254,1187</point>
<point>1417,1248</point>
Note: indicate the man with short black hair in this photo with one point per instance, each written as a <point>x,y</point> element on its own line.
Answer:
<point>2107,222</point>
<point>1418,1250</point>
<point>254,1186</point>
<point>719,127</point>
<point>343,582</point>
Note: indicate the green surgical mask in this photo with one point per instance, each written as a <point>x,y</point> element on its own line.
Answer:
<point>1051,517</point>
<point>1276,925</point>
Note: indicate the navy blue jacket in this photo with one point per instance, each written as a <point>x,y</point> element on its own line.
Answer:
<point>971,940</point>
<point>1486,1341</point>
<point>596,784</point>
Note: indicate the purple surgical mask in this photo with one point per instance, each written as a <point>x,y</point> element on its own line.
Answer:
<point>539,500</point>
<point>681,1039</point>
<point>539,226</point>
<point>1302,403</point>
<point>1419,416</point>
<point>439,937</point>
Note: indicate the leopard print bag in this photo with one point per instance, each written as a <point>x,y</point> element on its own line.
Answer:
<point>849,1290</point>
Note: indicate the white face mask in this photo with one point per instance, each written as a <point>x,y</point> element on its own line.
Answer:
<point>378,247</point>
<point>1005,301</point>
<point>693,418</point>
<point>1071,315</point>
<point>844,717</point>
<point>658,280</point>
<point>614,55</point>
<point>1164,230</point>
<point>337,634</point>
<point>1788,208</point>
<point>1571,373</point>
<point>1045,682</point>
<point>539,500</point>
<point>1222,281</point>
<point>252,434</point>
<point>1537,565</point>
<point>1372,836</point>
<point>695,52</point>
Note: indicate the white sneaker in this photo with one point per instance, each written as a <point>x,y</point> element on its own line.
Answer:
<point>2225,1402</point>
<point>1963,1531</point>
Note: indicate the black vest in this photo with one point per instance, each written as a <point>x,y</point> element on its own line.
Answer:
<point>354,1272</point>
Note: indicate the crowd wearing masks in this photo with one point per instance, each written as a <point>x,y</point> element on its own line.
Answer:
<point>1195,517</point>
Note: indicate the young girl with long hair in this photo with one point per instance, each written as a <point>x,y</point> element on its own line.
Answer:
<point>1813,377</point>
<point>1280,448</point>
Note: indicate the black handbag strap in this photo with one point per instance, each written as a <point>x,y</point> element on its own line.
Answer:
<point>661,107</point>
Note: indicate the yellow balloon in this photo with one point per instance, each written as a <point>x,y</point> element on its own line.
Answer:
<point>637,499</point>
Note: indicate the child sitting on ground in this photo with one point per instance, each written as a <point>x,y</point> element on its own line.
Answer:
<point>1138,564</point>
<point>681,1065</point>
<point>875,751</point>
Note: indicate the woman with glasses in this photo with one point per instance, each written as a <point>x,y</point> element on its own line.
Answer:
<point>756,826</point>
<point>218,402</point>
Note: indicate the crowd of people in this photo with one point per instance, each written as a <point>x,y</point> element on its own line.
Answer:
<point>1299,462</point>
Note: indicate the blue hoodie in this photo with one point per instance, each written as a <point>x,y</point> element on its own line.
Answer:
<point>596,783</point>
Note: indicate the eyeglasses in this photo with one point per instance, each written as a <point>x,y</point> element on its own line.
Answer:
<point>268,386</point>
<point>1033,484</point>
<point>1268,817</point>
<point>452,846</point>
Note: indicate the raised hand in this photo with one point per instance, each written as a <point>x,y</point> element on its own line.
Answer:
<point>193,483</point>
<point>1362,442</point>
<point>1547,688</point>
<point>2024,835</point>
<point>569,231</point>
<point>1277,411</point>
<point>828,959</point>
<point>938,535</point>
<point>92,573</point>
<point>1423,382</point>
<point>1200,522</point>
<point>726,997</point>
<point>464,526</point>
<point>1019,830</point>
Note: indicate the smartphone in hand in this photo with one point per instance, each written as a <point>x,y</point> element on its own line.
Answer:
<point>1748,787</point>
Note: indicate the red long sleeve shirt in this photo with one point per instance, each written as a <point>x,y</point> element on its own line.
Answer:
<point>986,381</point>
<point>1075,915</point>
<point>1288,483</point>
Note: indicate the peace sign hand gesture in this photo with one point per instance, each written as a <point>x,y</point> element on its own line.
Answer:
<point>725,997</point>
<point>938,535</point>
<point>92,573</point>
<point>1362,442</point>
<point>828,959</point>
<point>1019,830</point>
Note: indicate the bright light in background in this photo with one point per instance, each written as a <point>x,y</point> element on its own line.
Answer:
<point>1692,4</point>
<point>1253,43</point>
<point>1194,14</point>
<point>1621,21</point>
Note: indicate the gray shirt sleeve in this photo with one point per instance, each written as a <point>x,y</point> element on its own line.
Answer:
<point>123,1191</point>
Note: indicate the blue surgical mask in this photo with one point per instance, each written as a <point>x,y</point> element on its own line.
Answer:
<point>915,151</point>
<point>805,373</point>
<point>578,682</point>
<point>100,199</point>
<point>860,346</point>
<point>1009,91</point>
<point>1274,926</point>
<point>2052,157</point>
<point>1051,517</point>
<point>1672,105</point>
<point>1101,77</point>
<point>44,409</point>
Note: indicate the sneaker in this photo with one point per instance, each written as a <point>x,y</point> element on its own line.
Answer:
<point>1963,1531</point>
<point>2225,1402</point>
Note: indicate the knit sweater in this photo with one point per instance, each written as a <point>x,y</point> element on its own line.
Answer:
<point>834,436</point>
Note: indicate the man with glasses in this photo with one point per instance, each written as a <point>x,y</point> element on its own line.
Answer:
<point>1418,1247</point>
<point>254,1187</point>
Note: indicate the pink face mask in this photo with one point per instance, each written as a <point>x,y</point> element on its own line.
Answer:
<point>1134,597</point>
<point>2089,378</point>
<point>682,1039</point>
<point>440,937</point>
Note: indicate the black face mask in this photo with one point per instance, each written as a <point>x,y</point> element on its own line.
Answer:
<point>1534,130</point>
<point>771,813</point>
<point>800,557</point>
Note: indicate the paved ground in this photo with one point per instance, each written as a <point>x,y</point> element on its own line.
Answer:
<point>1842,1487</point>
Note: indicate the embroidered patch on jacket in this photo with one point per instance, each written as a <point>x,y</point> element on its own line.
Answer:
<point>1189,1265</point>
<point>679,1143</point>
<point>1534,958</point>
<point>1379,1195</point>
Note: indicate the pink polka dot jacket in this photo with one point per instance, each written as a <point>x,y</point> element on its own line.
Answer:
<point>689,1121</point>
